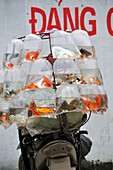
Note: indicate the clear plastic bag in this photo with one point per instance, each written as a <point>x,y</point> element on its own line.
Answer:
<point>66,70</point>
<point>18,108</point>
<point>43,103</point>
<point>1,82</point>
<point>4,113</point>
<point>81,38</point>
<point>64,40</point>
<point>68,99</point>
<point>94,97</point>
<point>31,48</point>
<point>90,71</point>
<point>14,80</point>
<point>11,55</point>
<point>83,43</point>
<point>60,52</point>
<point>39,74</point>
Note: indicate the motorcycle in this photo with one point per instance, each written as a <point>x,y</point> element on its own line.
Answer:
<point>59,149</point>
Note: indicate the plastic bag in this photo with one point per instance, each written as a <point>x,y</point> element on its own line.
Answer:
<point>66,70</point>
<point>31,48</point>
<point>14,80</point>
<point>4,113</point>
<point>11,55</point>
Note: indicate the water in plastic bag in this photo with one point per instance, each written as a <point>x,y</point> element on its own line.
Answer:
<point>4,114</point>
<point>82,40</point>
<point>62,43</point>
<point>14,80</point>
<point>94,97</point>
<point>90,71</point>
<point>68,98</point>
<point>60,52</point>
<point>11,56</point>
<point>31,48</point>
<point>39,74</point>
<point>18,107</point>
<point>1,82</point>
<point>66,70</point>
<point>43,104</point>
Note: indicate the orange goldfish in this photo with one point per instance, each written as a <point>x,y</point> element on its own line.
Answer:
<point>96,81</point>
<point>46,82</point>
<point>32,55</point>
<point>4,117</point>
<point>9,65</point>
<point>39,111</point>
<point>31,86</point>
<point>90,104</point>
<point>33,109</point>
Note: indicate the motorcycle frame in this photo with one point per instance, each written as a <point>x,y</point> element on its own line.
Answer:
<point>29,160</point>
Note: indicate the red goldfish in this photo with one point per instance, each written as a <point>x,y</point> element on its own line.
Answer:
<point>46,82</point>
<point>4,117</point>
<point>31,86</point>
<point>9,65</point>
<point>96,81</point>
<point>39,111</point>
<point>32,55</point>
<point>90,104</point>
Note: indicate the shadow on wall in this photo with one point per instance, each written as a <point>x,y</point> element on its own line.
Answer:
<point>100,166</point>
<point>7,168</point>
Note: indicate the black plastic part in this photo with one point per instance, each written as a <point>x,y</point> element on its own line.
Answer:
<point>79,157</point>
<point>24,152</point>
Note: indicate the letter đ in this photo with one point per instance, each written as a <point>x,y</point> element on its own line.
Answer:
<point>33,21</point>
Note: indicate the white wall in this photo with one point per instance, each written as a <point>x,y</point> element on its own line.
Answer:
<point>12,25</point>
<point>14,20</point>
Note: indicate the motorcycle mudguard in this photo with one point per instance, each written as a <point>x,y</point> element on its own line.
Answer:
<point>60,164</point>
<point>56,155</point>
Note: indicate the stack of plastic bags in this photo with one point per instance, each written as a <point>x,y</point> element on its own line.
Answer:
<point>67,80</point>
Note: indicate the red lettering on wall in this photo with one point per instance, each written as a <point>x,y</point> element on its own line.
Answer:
<point>32,21</point>
<point>91,22</point>
<point>54,13</point>
<point>59,2</point>
<point>110,30</point>
<point>67,15</point>
<point>62,23</point>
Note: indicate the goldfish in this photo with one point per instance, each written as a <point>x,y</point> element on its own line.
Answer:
<point>96,81</point>
<point>82,81</point>
<point>31,86</point>
<point>3,117</point>
<point>90,104</point>
<point>32,55</point>
<point>46,82</point>
<point>39,111</point>
<point>9,65</point>
<point>85,53</point>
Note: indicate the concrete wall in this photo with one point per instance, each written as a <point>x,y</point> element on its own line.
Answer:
<point>12,25</point>
<point>14,22</point>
